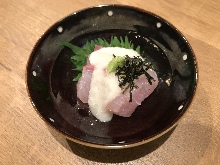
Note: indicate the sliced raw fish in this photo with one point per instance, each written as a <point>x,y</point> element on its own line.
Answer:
<point>121,105</point>
<point>83,85</point>
<point>97,47</point>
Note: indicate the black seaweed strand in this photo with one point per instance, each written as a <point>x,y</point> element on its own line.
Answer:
<point>132,69</point>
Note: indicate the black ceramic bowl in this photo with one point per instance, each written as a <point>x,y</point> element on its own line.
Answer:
<point>53,93</point>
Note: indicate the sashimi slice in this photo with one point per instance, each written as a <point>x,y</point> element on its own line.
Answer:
<point>121,105</point>
<point>83,85</point>
<point>97,47</point>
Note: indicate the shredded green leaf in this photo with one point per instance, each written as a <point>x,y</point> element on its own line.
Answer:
<point>80,55</point>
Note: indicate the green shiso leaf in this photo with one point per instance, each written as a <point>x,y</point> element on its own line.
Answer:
<point>138,49</point>
<point>127,43</point>
<point>77,77</point>
<point>74,48</point>
<point>115,42</point>
<point>122,42</point>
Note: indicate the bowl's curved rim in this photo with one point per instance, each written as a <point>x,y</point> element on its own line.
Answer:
<point>118,146</point>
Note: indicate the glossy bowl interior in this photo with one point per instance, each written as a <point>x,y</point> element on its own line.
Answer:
<point>53,93</point>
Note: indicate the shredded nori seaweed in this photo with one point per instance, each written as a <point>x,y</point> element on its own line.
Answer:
<point>131,70</point>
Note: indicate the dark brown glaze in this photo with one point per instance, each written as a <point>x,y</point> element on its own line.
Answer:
<point>53,92</point>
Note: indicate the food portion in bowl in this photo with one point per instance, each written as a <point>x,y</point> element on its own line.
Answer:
<point>114,78</point>
<point>54,94</point>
